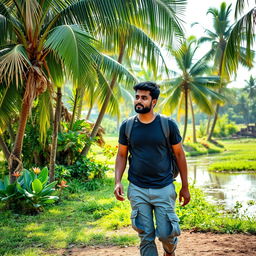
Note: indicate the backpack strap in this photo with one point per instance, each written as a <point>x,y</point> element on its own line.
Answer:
<point>128,127</point>
<point>166,131</point>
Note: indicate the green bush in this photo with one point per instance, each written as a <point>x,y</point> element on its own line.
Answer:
<point>29,193</point>
<point>84,170</point>
<point>224,127</point>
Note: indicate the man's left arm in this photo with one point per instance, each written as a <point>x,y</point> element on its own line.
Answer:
<point>184,195</point>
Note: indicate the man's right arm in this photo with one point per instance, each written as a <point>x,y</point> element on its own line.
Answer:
<point>121,160</point>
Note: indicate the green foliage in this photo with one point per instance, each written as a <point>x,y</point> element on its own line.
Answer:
<point>29,193</point>
<point>230,166</point>
<point>241,156</point>
<point>71,142</point>
<point>110,126</point>
<point>224,127</point>
<point>201,147</point>
<point>85,174</point>
<point>89,217</point>
<point>201,132</point>
<point>86,169</point>
<point>109,151</point>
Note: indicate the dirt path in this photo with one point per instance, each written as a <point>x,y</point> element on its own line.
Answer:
<point>190,244</point>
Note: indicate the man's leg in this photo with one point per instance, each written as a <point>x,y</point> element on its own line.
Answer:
<point>142,219</point>
<point>166,219</point>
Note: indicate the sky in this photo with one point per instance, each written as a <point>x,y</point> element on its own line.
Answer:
<point>196,12</point>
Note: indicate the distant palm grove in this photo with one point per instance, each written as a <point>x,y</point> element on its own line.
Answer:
<point>65,65</point>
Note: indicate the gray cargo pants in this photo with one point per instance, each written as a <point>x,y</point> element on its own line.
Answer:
<point>149,202</point>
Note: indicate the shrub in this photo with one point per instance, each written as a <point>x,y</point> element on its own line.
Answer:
<point>84,170</point>
<point>29,193</point>
<point>224,127</point>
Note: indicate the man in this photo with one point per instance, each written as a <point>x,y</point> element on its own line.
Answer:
<point>151,190</point>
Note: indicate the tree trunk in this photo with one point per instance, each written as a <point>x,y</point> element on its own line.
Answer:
<point>186,114</point>
<point>193,119</point>
<point>213,123</point>
<point>217,106</point>
<point>14,161</point>
<point>74,109</point>
<point>208,124</point>
<point>104,106</point>
<point>80,103</point>
<point>89,113</point>
<point>4,148</point>
<point>55,135</point>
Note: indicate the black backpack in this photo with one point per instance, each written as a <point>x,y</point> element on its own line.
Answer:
<point>166,131</point>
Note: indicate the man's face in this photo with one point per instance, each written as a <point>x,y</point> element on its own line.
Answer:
<point>143,102</point>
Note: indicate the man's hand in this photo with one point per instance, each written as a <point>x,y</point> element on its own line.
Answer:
<point>119,192</point>
<point>184,196</point>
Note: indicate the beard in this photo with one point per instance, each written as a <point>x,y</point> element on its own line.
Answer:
<point>142,110</point>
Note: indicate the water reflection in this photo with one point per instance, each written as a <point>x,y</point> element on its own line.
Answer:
<point>223,188</point>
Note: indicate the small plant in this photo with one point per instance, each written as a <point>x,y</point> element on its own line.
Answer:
<point>29,193</point>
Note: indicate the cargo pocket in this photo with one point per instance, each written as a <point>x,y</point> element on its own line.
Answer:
<point>136,222</point>
<point>174,224</point>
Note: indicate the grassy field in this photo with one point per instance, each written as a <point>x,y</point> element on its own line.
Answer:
<point>240,155</point>
<point>96,217</point>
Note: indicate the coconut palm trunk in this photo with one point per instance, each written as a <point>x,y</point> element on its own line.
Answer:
<point>186,113</point>
<point>208,124</point>
<point>214,122</point>
<point>80,103</point>
<point>55,135</point>
<point>14,161</point>
<point>105,103</point>
<point>74,109</point>
<point>193,119</point>
<point>89,113</point>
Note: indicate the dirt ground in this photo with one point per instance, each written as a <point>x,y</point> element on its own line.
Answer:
<point>190,244</point>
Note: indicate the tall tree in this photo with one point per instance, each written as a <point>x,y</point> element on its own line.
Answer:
<point>219,38</point>
<point>33,31</point>
<point>190,85</point>
<point>162,17</point>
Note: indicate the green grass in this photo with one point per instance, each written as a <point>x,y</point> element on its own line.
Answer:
<point>91,217</point>
<point>240,156</point>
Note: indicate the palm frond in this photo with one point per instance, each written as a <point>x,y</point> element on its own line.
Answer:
<point>13,65</point>
<point>137,41</point>
<point>172,99</point>
<point>209,81</point>
<point>101,92</point>
<point>109,67</point>
<point>201,99</point>
<point>56,69</point>
<point>244,26</point>
<point>75,49</point>
<point>10,102</point>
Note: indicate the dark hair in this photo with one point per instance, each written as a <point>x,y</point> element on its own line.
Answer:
<point>148,86</point>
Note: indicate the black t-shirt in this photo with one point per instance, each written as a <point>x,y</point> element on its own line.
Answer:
<point>149,161</point>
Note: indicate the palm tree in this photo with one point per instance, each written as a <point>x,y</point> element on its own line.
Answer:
<point>250,88</point>
<point>190,86</point>
<point>219,38</point>
<point>242,34</point>
<point>42,40</point>
<point>136,39</point>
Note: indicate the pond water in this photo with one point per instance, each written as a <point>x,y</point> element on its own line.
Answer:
<point>223,188</point>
